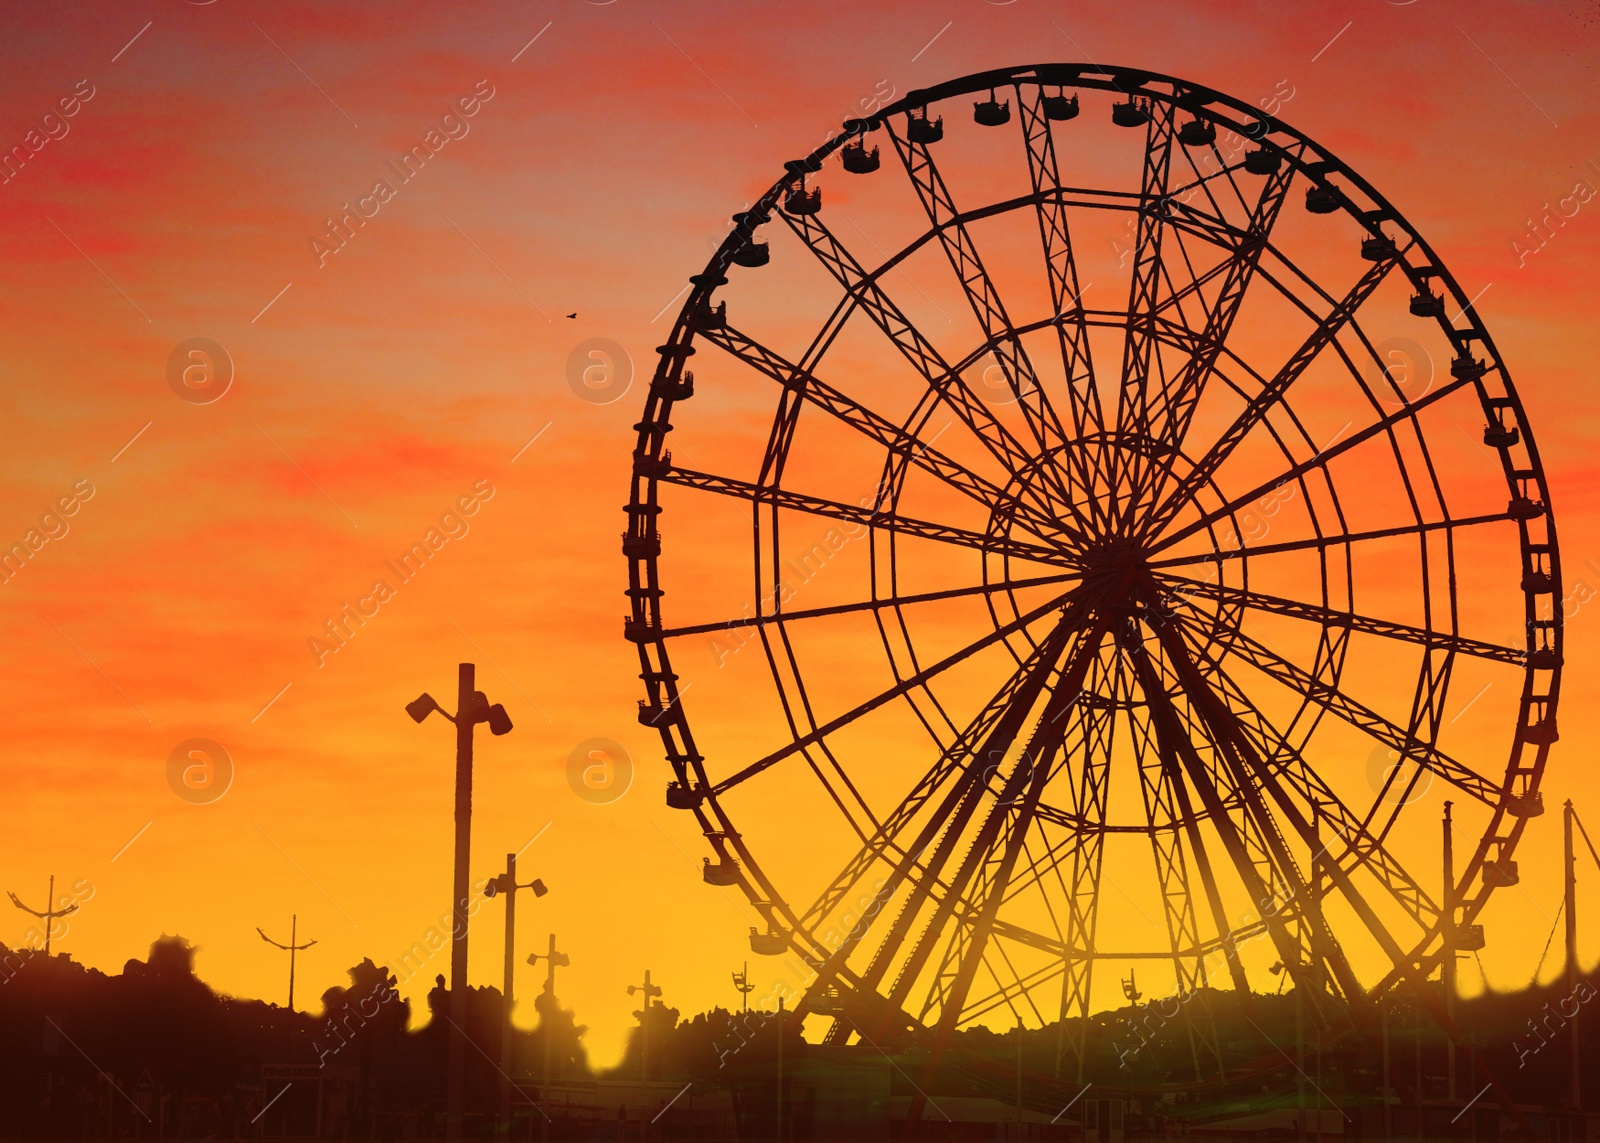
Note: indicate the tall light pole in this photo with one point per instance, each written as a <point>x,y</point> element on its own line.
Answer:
<point>649,990</point>
<point>741,981</point>
<point>783,1106</point>
<point>472,707</point>
<point>1388,1079</point>
<point>1447,969</point>
<point>50,911</point>
<point>1569,880</point>
<point>292,948</point>
<point>1019,1069</point>
<point>553,960</point>
<point>506,885</point>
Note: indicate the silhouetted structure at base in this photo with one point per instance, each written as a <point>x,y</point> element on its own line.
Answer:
<point>155,1053</point>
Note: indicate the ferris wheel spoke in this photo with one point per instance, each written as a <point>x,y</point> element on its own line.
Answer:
<point>1184,192</point>
<point>1363,848</point>
<point>984,300</point>
<point>1095,733</point>
<point>1185,219</point>
<point>1139,353</point>
<point>1322,543</point>
<point>1304,954</point>
<point>1077,840</point>
<point>1018,692</point>
<point>1320,459</point>
<point>1081,843</point>
<point>1177,753</point>
<point>1175,404</point>
<point>1081,890</point>
<point>798,711</point>
<point>924,359</point>
<point>943,831</point>
<point>1006,585</point>
<point>1060,602</point>
<point>1187,732</point>
<point>997,746</point>
<point>892,437</point>
<point>1191,589</point>
<point>858,516</point>
<point>985,872</point>
<point>1006,988</point>
<point>1023,988</point>
<point>1271,394</point>
<point>1196,223</point>
<point>1173,302</point>
<point>1166,803</point>
<point>1252,762</point>
<point>1330,699</point>
<point>1060,264</point>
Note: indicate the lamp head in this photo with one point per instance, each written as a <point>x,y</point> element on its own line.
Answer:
<point>421,707</point>
<point>491,889</point>
<point>538,887</point>
<point>499,720</point>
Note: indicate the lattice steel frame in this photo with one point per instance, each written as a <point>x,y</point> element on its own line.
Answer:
<point>1202,740</point>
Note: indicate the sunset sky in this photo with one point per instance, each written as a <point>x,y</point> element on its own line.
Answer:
<point>389,376</point>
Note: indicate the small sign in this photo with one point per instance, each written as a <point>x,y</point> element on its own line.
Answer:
<point>290,1071</point>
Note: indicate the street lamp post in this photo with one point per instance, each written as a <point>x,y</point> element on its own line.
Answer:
<point>783,1106</point>
<point>472,707</point>
<point>650,991</point>
<point>50,911</point>
<point>506,884</point>
<point>741,981</point>
<point>291,948</point>
<point>553,960</point>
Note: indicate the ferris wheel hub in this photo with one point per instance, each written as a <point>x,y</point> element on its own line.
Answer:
<point>1115,565</point>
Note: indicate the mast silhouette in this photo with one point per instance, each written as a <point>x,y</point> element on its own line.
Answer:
<point>291,948</point>
<point>50,912</point>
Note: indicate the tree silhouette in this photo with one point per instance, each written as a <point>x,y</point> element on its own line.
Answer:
<point>568,1057</point>
<point>84,1054</point>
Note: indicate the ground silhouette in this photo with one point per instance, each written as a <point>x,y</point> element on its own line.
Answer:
<point>155,1051</point>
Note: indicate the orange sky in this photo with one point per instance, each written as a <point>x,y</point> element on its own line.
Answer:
<point>189,196</point>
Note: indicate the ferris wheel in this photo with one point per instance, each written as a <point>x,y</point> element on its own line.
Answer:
<point>1126,593</point>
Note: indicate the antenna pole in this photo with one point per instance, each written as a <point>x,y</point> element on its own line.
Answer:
<point>294,926</point>
<point>291,948</point>
<point>50,912</point>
